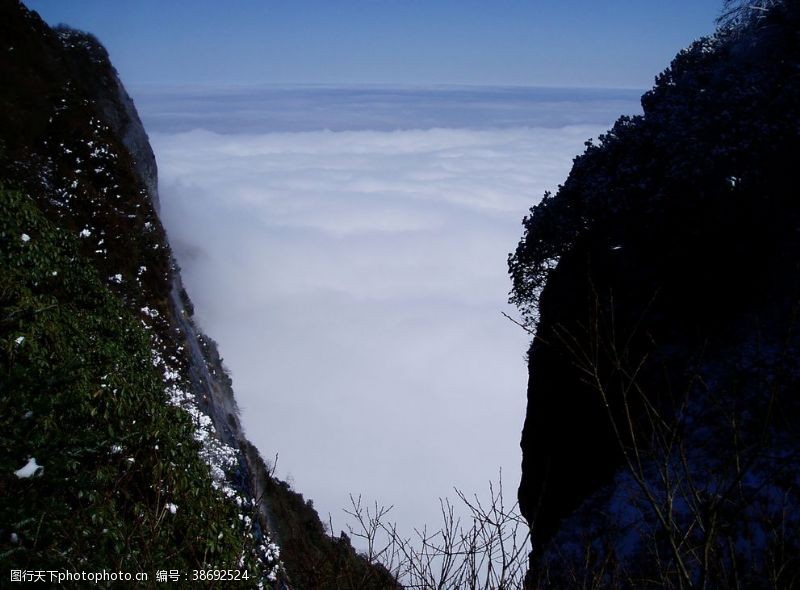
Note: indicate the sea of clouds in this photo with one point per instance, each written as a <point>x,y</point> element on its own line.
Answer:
<point>347,249</point>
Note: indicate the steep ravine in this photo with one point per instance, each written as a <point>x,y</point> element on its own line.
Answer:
<point>214,395</point>
<point>210,383</point>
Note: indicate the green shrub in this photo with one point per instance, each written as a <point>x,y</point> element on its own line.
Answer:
<point>121,485</point>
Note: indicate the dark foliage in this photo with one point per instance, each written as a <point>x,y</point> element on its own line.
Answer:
<point>670,255</point>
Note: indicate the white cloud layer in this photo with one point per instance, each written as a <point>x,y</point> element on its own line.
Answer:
<point>263,109</point>
<point>354,281</point>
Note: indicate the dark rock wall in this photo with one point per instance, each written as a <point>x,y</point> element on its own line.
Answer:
<point>677,285</point>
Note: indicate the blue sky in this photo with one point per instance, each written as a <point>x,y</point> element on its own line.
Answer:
<point>563,43</point>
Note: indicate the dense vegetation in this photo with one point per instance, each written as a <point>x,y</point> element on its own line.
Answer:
<point>119,483</point>
<point>660,447</point>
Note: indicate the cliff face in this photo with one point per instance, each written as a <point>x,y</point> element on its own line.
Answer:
<point>660,445</point>
<point>107,382</point>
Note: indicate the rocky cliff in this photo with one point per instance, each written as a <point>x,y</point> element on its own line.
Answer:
<point>661,446</point>
<point>121,443</point>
